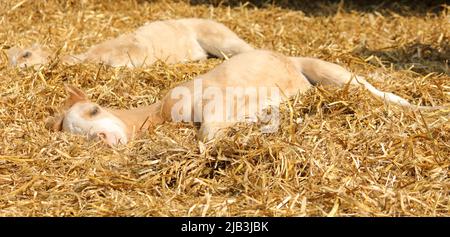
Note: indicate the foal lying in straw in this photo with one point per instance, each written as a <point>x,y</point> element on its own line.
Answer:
<point>240,89</point>
<point>172,41</point>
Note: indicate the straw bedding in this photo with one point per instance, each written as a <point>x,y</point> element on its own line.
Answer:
<point>338,152</point>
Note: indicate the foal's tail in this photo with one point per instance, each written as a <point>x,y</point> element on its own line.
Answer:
<point>320,72</point>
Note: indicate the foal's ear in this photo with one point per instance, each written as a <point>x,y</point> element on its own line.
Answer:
<point>54,123</point>
<point>74,95</point>
<point>73,91</point>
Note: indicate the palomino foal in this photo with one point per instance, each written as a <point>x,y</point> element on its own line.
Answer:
<point>172,41</point>
<point>206,99</point>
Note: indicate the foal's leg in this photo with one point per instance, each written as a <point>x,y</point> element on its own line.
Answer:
<point>218,40</point>
<point>211,130</point>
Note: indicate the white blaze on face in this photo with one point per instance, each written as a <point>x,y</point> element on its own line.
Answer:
<point>89,119</point>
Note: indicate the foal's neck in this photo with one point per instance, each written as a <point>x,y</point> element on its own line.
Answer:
<point>140,119</point>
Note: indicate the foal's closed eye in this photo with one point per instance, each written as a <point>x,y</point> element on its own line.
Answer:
<point>94,111</point>
<point>26,54</point>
